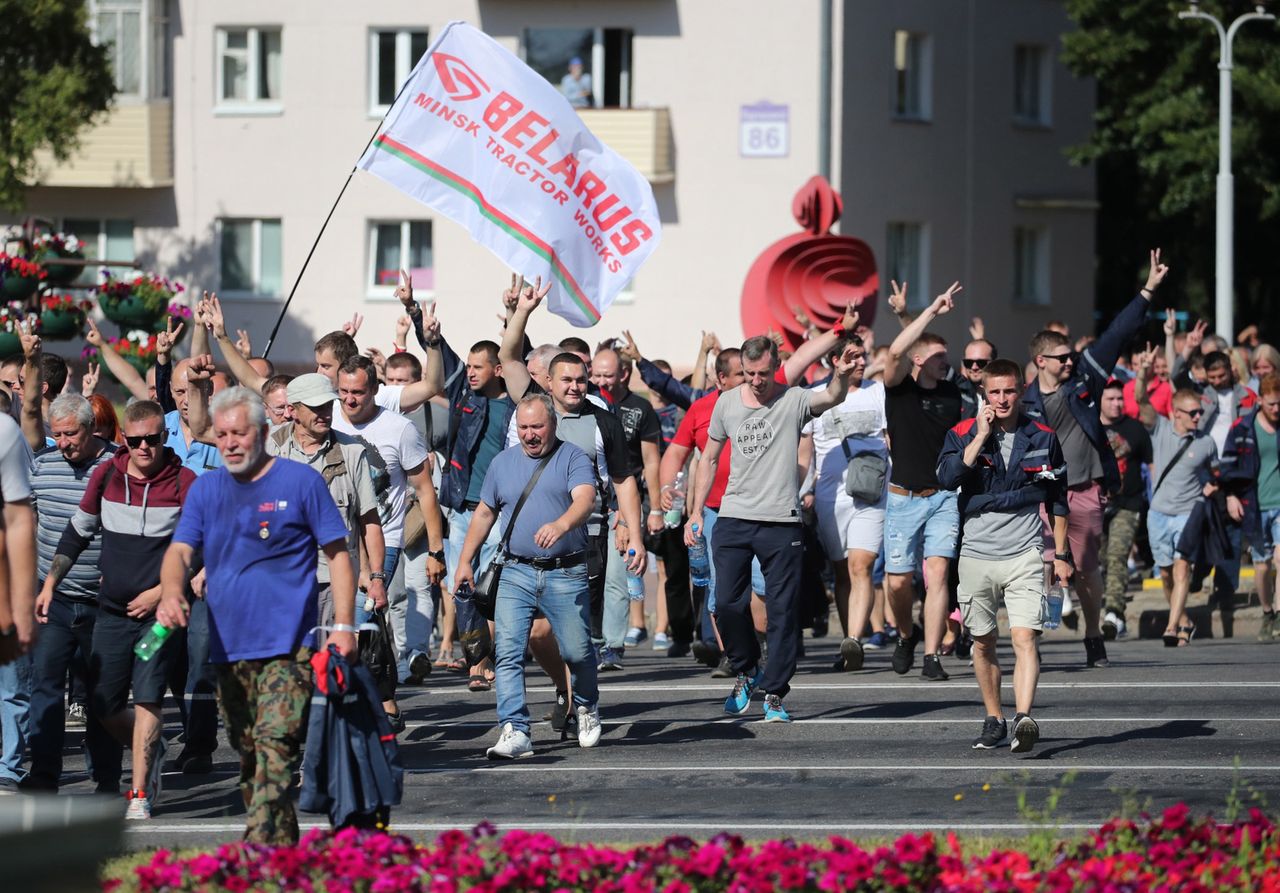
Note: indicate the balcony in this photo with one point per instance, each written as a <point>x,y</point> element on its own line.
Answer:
<point>131,147</point>
<point>641,136</point>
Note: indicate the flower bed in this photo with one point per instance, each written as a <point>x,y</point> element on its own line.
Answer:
<point>1169,853</point>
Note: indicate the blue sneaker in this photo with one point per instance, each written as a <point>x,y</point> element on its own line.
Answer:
<point>877,640</point>
<point>774,711</point>
<point>610,659</point>
<point>635,635</point>
<point>738,702</point>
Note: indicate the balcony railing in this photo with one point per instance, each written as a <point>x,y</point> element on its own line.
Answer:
<point>642,136</point>
<point>131,147</point>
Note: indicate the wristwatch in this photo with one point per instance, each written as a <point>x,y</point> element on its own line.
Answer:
<point>438,555</point>
<point>378,575</point>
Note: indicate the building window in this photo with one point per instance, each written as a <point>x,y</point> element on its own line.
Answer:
<point>249,69</point>
<point>250,257</point>
<point>392,55</point>
<point>907,261</point>
<point>913,75</point>
<point>1031,85</point>
<point>1031,265</point>
<point>135,33</point>
<point>605,54</point>
<point>395,246</point>
<point>100,240</point>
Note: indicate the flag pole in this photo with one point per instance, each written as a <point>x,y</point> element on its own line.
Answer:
<point>289,300</point>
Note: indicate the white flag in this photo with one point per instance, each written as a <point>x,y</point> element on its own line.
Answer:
<point>487,141</point>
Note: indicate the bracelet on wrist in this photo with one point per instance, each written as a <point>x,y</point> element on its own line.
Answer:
<point>838,330</point>
<point>653,512</point>
<point>343,628</point>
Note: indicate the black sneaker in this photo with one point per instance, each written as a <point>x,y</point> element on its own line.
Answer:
<point>706,654</point>
<point>723,670</point>
<point>964,645</point>
<point>933,669</point>
<point>851,655</point>
<point>994,730</point>
<point>1025,734</point>
<point>1095,652</point>
<point>560,712</point>
<point>904,654</point>
<point>678,649</point>
<point>197,764</point>
<point>397,722</point>
<point>419,668</point>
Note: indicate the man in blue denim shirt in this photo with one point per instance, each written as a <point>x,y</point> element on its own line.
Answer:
<point>545,568</point>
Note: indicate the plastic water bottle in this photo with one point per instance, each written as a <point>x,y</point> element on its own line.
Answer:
<point>1053,612</point>
<point>699,560</point>
<point>675,514</point>
<point>151,643</point>
<point>635,582</point>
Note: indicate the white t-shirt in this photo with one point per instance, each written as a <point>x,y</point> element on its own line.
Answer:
<point>1223,421</point>
<point>394,446</point>
<point>387,397</point>
<point>859,421</point>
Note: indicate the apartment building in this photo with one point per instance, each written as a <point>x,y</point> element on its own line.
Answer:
<point>239,122</point>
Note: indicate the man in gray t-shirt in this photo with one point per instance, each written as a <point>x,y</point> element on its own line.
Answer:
<point>760,516</point>
<point>545,567</point>
<point>1185,459</point>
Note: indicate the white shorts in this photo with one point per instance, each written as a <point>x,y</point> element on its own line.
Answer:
<point>845,524</point>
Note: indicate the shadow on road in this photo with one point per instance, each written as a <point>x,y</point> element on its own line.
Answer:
<point>1175,730</point>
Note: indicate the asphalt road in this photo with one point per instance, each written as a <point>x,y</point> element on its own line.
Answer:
<point>869,753</point>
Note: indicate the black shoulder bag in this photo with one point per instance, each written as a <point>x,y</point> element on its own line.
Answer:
<point>485,597</point>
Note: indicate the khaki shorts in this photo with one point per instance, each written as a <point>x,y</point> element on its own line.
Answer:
<point>1019,581</point>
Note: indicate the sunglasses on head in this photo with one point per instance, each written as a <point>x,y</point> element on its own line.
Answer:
<point>975,364</point>
<point>153,440</point>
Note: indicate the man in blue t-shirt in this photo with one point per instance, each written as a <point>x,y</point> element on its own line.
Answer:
<point>545,567</point>
<point>259,522</point>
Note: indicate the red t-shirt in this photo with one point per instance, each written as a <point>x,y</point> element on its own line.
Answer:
<point>692,434</point>
<point>1159,393</point>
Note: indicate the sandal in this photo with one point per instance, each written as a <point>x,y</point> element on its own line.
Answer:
<point>479,683</point>
<point>457,663</point>
<point>442,662</point>
<point>1185,635</point>
<point>1170,639</point>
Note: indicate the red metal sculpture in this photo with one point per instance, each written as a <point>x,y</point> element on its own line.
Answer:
<point>815,272</point>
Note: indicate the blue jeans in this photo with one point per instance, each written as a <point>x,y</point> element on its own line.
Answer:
<point>15,703</point>
<point>1163,533</point>
<point>466,618</point>
<point>919,527</point>
<point>1265,550</point>
<point>70,627</point>
<point>200,697</point>
<point>563,598</point>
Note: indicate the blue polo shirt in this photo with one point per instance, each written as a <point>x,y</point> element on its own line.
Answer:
<point>199,457</point>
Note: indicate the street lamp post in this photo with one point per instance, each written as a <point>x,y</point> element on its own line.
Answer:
<point>1224,303</point>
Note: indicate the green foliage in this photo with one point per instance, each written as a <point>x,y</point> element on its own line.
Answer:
<point>1155,145</point>
<point>53,82</point>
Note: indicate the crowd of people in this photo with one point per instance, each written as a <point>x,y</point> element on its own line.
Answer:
<point>481,508</point>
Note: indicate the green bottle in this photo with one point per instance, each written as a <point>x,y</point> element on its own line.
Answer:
<point>152,642</point>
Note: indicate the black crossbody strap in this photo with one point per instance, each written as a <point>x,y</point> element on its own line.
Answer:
<point>528,488</point>
<point>1186,444</point>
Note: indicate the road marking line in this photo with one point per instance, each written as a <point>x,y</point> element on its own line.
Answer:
<point>858,720</point>
<point>669,827</point>
<point>1015,766</point>
<point>909,685</point>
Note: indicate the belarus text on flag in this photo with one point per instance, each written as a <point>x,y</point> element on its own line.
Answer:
<point>482,138</point>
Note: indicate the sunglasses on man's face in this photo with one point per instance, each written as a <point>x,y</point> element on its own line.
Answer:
<point>151,440</point>
<point>1067,357</point>
<point>1194,413</point>
<point>975,364</point>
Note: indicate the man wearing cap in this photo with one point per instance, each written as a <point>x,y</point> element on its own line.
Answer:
<point>576,85</point>
<point>343,463</point>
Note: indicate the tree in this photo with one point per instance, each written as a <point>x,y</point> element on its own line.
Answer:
<point>1155,145</point>
<point>53,82</point>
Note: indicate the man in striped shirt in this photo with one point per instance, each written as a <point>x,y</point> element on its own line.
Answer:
<point>68,610</point>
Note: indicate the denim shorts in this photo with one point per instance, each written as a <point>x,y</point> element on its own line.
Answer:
<point>913,522</point>
<point>1265,550</point>
<point>1164,531</point>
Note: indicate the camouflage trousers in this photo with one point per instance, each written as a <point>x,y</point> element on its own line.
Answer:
<point>264,706</point>
<point>1120,534</point>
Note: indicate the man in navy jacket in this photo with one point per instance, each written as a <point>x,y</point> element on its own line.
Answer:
<point>1065,395</point>
<point>1007,468</point>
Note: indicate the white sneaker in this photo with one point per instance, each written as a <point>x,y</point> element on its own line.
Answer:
<point>512,744</point>
<point>139,809</point>
<point>588,726</point>
<point>1121,630</point>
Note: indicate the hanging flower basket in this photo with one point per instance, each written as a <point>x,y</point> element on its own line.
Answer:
<point>138,303</point>
<point>62,317</point>
<point>10,317</point>
<point>19,278</point>
<point>51,247</point>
